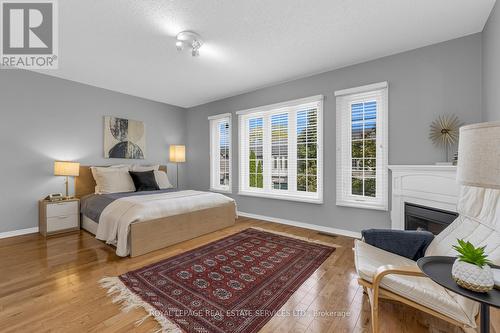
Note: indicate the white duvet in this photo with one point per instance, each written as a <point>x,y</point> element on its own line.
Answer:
<point>115,220</point>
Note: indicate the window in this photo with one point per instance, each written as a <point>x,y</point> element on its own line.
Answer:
<point>220,152</point>
<point>280,150</point>
<point>362,147</point>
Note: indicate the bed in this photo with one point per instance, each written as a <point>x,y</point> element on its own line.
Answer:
<point>190,214</point>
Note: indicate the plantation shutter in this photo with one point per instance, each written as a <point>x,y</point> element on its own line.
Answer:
<point>220,152</point>
<point>362,152</point>
<point>281,150</point>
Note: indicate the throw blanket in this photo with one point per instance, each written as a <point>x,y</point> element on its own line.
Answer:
<point>93,205</point>
<point>406,243</point>
<point>115,220</point>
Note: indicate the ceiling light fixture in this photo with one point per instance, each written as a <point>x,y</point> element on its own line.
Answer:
<point>189,39</point>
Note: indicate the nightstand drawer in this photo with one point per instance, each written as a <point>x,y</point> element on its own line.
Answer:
<point>62,209</point>
<point>62,222</point>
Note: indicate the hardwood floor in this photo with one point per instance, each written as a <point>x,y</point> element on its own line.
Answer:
<point>51,285</point>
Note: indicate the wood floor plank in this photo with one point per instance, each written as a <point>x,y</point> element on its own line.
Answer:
<point>51,285</point>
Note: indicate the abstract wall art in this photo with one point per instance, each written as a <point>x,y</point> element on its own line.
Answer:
<point>124,138</point>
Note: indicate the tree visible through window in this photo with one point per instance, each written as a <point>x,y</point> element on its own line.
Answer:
<point>363,148</point>
<point>280,150</point>
<point>256,170</point>
<point>307,157</point>
<point>362,139</point>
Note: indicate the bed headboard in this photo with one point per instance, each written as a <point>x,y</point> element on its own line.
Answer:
<point>85,183</point>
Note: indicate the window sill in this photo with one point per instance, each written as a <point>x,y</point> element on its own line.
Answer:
<point>363,205</point>
<point>281,197</point>
<point>220,190</point>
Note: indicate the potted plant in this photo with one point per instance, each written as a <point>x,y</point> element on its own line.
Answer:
<point>471,270</point>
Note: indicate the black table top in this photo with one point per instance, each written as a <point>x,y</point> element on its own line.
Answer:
<point>438,269</point>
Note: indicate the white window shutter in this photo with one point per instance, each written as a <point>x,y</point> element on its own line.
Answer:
<point>362,150</point>
<point>220,152</point>
<point>280,150</point>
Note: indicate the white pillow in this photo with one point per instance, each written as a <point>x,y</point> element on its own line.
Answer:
<point>162,180</point>
<point>143,168</point>
<point>121,166</point>
<point>112,180</point>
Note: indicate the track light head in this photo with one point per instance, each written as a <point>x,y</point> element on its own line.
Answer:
<point>191,39</point>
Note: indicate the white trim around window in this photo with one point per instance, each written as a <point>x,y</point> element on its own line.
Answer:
<point>281,150</point>
<point>220,153</point>
<point>362,146</point>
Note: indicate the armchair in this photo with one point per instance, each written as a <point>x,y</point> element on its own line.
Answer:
<point>387,275</point>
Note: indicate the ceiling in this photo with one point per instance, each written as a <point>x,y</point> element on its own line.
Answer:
<point>129,46</point>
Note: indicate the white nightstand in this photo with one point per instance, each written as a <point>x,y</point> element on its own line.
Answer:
<point>58,217</point>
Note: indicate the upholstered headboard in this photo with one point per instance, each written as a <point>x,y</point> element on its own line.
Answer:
<point>85,183</point>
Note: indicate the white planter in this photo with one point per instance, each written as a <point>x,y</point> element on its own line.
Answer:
<point>472,277</point>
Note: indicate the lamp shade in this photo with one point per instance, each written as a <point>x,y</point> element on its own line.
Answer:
<point>479,155</point>
<point>62,168</point>
<point>177,153</point>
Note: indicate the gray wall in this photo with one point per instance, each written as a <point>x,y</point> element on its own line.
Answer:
<point>443,78</point>
<point>491,67</point>
<point>45,119</point>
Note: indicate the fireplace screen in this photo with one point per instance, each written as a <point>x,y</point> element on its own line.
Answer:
<point>427,218</point>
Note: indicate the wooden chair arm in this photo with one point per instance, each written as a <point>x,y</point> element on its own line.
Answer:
<point>397,270</point>
<point>390,269</point>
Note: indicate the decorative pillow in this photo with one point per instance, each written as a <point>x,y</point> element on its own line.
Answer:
<point>112,180</point>
<point>142,168</point>
<point>162,180</point>
<point>144,181</point>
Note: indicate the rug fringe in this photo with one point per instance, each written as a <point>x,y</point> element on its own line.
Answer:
<point>296,237</point>
<point>122,295</point>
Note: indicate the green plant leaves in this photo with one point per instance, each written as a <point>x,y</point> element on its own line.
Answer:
<point>471,254</point>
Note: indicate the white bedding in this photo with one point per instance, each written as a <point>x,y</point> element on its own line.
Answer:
<point>115,220</point>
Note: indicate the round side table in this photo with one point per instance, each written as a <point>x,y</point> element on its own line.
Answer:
<point>438,269</point>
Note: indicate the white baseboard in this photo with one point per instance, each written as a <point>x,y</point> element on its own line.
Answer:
<point>19,232</point>
<point>304,225</point>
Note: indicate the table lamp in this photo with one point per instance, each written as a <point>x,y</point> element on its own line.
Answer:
<point>479,155</point>
<point>177,155</point>
<point>63,168</point>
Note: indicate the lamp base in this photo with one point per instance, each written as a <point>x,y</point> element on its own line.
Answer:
<point>177,175</point>
<point>67,187</point>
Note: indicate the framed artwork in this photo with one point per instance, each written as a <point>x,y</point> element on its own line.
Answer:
<point>124,138</point>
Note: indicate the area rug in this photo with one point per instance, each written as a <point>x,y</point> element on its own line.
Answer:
<point>235,284</point>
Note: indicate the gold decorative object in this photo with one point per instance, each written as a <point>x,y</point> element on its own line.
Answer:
<point>444,131</point>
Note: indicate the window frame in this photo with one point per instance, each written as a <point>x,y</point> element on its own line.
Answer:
<point>214,122</point>
<point>345,99</point>
<point>266,112</point>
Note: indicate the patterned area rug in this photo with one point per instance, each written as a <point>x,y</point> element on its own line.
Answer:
<point>235,284</point>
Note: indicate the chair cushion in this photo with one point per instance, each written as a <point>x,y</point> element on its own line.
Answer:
<point>479,223</point>
<point>418,289</point>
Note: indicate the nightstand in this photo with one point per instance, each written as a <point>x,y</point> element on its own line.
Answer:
<point>59,216</point>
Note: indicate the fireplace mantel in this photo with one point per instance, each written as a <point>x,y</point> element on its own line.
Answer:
<point>427,185</point>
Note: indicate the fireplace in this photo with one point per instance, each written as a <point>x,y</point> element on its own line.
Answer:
<point>427,218</point>
<point>423,185</point>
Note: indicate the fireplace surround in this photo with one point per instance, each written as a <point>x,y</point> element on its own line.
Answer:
<point>430,186</point>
